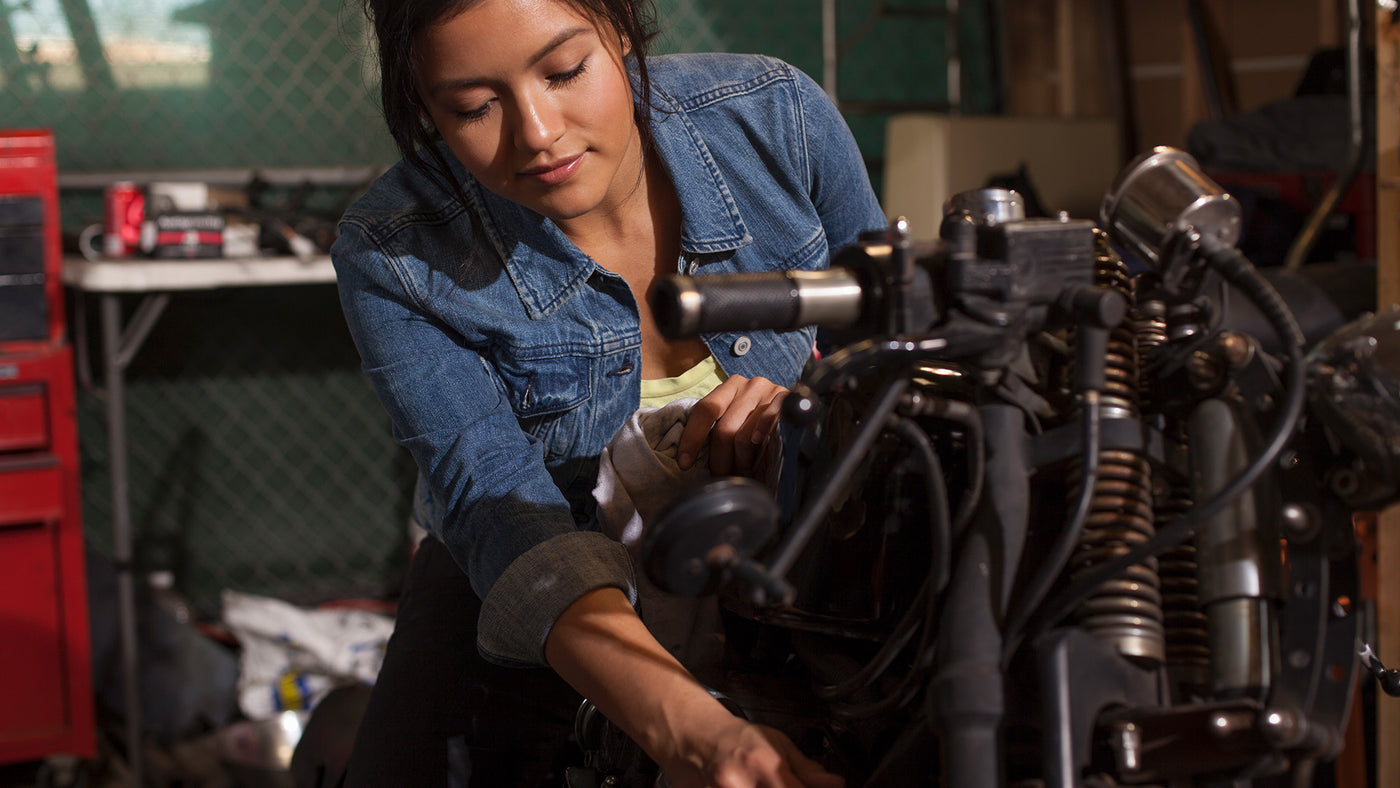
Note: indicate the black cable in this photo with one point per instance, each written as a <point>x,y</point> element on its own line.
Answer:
<point>941,527</point>
<point>883,658</point>
<point>971,419</point>
<point>926,655</point>
<point>806,526</point>
<point>1214,316</point>
<point>925,651</point>
<point>1068,540</point>
<point>1234,267</point>
<point>963,340</point>
<point>966,415</point>
<point>941,530</point>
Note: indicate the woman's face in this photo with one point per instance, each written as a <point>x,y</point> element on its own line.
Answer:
<point>533,99</point>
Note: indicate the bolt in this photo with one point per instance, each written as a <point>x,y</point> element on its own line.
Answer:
<point>1228,723</point>
<point>1341,607</point>
<point>1129,747</point>
<point>720,555</point>
<point>1235,348</point>
<point>900,228</point>
<point>1298,521</point>
<point>1345,482</point>
<point>1283,727</point>
<point>1205,371</point>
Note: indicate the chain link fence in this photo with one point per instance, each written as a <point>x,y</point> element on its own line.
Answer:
<point>260,458</point>
<point>166,84</point>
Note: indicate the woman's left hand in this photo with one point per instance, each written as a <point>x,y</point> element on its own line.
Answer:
<point>737,417</point>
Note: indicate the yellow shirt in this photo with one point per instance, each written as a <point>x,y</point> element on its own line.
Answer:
<point>696,382</point>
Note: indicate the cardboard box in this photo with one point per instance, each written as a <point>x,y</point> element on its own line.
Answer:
<point>929,158</point>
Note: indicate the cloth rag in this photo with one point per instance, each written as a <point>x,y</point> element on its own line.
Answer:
<point>638,476</point>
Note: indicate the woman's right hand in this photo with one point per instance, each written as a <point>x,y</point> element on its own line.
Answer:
<point>737,419</point>
<point>734,753</point>
<point>601,647</point>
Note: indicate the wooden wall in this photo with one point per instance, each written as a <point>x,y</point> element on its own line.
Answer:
<point>1060,57</point>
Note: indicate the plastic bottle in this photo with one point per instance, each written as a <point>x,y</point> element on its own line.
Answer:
<point>163,591</point>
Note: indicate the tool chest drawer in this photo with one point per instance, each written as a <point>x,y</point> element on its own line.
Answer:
<point>43,702</point>
<point>24,418</point>
<point>32,489</point>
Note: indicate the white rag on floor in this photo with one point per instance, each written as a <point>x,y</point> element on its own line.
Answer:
<point>291,657</point>
<point>637,477</point>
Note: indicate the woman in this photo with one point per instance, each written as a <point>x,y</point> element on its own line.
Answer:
<point>495,285</point>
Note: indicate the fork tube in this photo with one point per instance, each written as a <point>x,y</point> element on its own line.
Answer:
<point>968,694</point>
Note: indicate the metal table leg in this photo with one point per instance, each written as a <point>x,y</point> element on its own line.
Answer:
<point>118,348</point>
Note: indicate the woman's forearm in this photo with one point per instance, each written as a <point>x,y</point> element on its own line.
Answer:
<point>601,647</point>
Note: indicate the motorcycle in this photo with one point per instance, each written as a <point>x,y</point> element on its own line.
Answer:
<point>1051,516</point>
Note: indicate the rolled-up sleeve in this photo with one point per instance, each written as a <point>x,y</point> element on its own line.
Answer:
<point>501,515</point>
<point>536,588</point>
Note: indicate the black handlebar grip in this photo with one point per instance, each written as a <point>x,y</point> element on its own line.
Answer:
<point>685,306</point>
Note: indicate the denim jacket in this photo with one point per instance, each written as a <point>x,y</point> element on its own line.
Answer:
<point>507,362</point>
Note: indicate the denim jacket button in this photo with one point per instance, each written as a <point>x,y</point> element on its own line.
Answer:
<point>742,345</point>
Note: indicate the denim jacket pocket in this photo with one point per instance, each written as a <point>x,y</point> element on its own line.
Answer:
<point>544,386</point>
<point>545,393</point>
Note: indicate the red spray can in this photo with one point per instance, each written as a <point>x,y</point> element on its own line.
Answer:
<point>125,208</point>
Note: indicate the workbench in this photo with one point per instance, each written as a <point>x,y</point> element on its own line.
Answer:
<point>156,282</point>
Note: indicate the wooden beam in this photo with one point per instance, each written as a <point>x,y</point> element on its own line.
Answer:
<point>1030,58</point>
<point>1329,26</point>
<point>1387,292</point>
<point>1065,58</point>
<point>1193,96</point>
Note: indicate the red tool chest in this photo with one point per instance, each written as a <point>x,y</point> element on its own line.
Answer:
<point>46,699</point>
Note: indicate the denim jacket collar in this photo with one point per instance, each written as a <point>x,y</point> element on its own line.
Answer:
<point>547,268</point>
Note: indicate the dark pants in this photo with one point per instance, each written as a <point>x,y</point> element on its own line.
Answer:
<point>440,711</point>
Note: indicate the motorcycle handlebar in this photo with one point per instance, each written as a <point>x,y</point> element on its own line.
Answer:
<point>685,306</point>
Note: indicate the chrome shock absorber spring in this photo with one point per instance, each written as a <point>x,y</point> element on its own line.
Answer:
<point>1149,320</point>
<point>1120,397</point>
<point>1126,611</point>
<point>1188,647</point>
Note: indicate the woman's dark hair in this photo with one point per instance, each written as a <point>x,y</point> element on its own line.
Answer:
<point>398,25</point>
